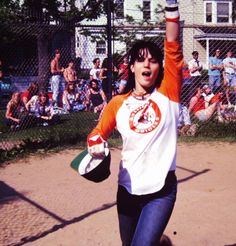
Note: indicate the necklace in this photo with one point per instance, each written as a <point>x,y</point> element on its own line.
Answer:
<point>140,95</point>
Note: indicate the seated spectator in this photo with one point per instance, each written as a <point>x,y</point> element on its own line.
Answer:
<point>44,111</point>
<point>185,126</point>
<point>96,97</point>
<point>198,107</point>
<point>30,105</point>
<point>14,117</point>
<point>29,93</point>
<point>71,99</point>
<point>69,73</point>
<point>207,94</point>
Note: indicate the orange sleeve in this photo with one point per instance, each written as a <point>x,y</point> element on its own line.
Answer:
<point>172,81</point>
<point>107,122</point>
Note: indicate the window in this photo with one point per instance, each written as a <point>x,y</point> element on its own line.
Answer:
<point>119,9</point>
<point>218,12</point>
<point>222,12</point>
<point>209,12</point>
<point>146,10</point>
<point>101,47</point>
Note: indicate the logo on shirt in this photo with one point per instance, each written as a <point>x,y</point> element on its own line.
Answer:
<point>145,118</point>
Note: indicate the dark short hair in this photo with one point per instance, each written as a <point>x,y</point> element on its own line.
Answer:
<point>93,81</point>
<point>95,60</point>
<point>57,51</point>
<point>134,54</point>
<point>195,52</point>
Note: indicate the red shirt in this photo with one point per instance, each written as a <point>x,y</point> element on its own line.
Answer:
<point>199,105</point>
<point>185,71</point>
<point>124,67</point>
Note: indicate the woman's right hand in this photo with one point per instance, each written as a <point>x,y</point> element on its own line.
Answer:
<point>96,146</point>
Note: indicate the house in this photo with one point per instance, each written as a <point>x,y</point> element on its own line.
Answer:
<point>207,25</point>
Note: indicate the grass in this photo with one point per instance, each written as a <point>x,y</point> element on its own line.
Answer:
<point>73,130</point>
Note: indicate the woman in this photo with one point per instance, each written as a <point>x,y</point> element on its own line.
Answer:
<point>12,115</point>
<point>44,111</point>
<point>96,96</point>
<point>146,117</point>
<point>104,78</point>
<point>202,109</point>
<point>29,93</point>
<point>71,99</point>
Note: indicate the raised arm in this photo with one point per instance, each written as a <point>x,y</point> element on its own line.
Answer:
<point>171,84</point>
<point>172,20</point>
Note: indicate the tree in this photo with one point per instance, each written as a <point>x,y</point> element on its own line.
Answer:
<point>34,18</point>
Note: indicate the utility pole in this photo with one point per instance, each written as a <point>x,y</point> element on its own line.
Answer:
<point>109,50</point>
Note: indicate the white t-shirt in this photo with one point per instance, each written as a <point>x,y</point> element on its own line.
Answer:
<point>194,63</point>
<point>232,61</point>
<point>95,72</point>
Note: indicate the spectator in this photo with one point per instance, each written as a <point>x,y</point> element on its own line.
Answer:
<point>71,99</point>
<point>30,105</point>
<point>69,73</point>
<point>185,126</point>
<point>186,87</point>
<point>96,96</point>
<point>198,107</point>
<point>214,71</point>
<point>123,71</point>
<point>14,117</point>
<point>95,71</point>
<point>78,63</point>
<point>32,90</point>
<point>207,94</point>
<point>44,111</point>
<point>103,77</point>
<point>229,74</point>
<point>56,79</point>
<point>195,68</point>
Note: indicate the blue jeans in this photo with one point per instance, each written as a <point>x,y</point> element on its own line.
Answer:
<point>143,219</point>
<point>56,87</point>
<point>214,82</point>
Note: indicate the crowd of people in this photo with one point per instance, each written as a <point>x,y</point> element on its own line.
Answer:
<point>200,100</point>
<point>67,94</point>
<point>203,101</point>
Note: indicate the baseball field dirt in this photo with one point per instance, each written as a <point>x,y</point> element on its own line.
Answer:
<point>45,202</point>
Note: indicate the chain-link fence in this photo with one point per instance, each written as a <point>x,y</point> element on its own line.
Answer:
<point>38,112</point>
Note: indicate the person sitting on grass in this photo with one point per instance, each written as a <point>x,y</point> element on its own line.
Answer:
<point>197,105</point>
<point>44,111</point>
<point>71,99</point>
<point>29,93</point>
<point>185,126</point>
<point>14,117</point>
<point>96,97</point>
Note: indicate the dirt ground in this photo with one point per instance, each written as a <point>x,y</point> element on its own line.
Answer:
<point>44,202</point>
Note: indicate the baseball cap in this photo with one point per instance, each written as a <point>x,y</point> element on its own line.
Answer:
<point>91,168</point>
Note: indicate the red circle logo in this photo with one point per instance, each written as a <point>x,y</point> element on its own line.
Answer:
<point>145,118</point>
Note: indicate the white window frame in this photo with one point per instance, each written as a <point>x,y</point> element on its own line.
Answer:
<point>100,47</point>
<point>214,12</point>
